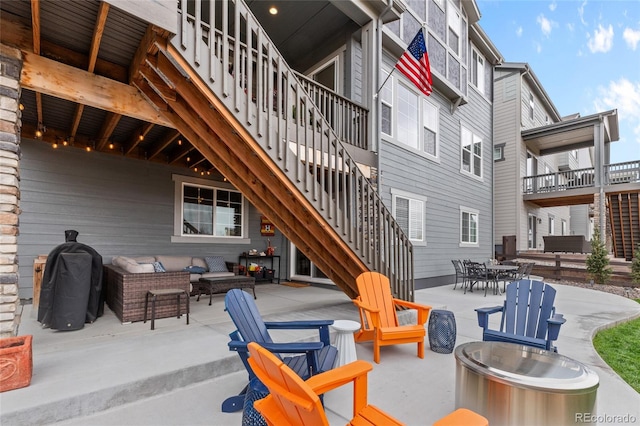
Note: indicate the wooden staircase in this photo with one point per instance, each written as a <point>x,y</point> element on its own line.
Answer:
<point>245,110</point>
<point>624,217</point>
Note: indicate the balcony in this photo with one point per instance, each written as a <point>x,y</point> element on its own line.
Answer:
<point>573,187</point>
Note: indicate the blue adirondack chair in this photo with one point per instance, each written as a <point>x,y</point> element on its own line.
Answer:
<point>308,358</point>
<point>528,316</point>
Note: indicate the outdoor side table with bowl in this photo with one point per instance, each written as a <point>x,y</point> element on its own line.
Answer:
<point>512,384</point>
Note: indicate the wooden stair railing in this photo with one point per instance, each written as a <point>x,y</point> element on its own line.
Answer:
<point>624,218</point>
<point>244,109</point>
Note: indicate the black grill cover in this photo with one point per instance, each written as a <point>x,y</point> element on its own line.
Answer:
<point>71,292</point>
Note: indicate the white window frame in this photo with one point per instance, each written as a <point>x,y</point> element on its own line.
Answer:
<point>563,228</point>
<point>178,236</point>
<point>454,22</point>
<point>427,115</point>
<point>532,106</point>
<point>415,201</point>
<point>477,70</point>
<point>552,225</point>
<point>465,133</point>
<point>471,212</point>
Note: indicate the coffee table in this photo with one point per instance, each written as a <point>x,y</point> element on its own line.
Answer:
<point>217,285</point>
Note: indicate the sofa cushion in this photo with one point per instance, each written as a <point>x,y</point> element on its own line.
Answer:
<point>195,269</point>
<point>174,263</point>
<point>144,259</point>
<point>217,274</point>
<point>131,266</point>
<point>216,264</point>
<point>198,261</point>
<point>158,267</point>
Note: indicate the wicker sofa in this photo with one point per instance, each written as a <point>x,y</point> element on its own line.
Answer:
<point>127,281</point>
<point>566,244</point>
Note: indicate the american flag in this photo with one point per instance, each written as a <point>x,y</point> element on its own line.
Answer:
<point>414,64</point>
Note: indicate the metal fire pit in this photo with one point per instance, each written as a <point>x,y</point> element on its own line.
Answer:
<point>514,384</point>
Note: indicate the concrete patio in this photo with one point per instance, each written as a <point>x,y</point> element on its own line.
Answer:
<point>110,373</point>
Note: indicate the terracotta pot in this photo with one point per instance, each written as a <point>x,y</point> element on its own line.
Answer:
<point>16,362</point>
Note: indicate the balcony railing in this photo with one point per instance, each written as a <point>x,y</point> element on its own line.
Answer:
<point>619,173</point>
<point>346,118</point>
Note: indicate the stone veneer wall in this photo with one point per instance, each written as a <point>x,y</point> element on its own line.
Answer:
<point>10,123</point>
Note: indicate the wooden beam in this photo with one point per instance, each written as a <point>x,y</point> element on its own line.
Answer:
<point>108,126</point>
<point>65,82</point>
<point>98,31</point>
<point>35,25</point>
<point>167,140</point>
<point>18,34</point>
<point>137,137</point>
<point>93,55</point>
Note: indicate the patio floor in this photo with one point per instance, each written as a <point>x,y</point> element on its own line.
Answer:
<point>110,373</point>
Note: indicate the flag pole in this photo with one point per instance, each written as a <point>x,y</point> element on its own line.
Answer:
<point>383,83</point>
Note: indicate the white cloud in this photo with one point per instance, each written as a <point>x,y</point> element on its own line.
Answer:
<point>537,46</point>
<point>632,37</point>
<point>519,31</point>
<point>546,25</point>
<point>571,27</point>
<point>624,96</point>
<point>581,12</point>
<point>602,39</point>
<point>553,6</point>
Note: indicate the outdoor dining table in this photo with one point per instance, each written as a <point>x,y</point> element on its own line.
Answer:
<point>498,270</point>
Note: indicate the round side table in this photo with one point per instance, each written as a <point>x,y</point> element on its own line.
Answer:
<point>344,341</point>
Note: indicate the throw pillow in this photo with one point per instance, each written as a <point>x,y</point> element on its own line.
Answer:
<point>193,269</point>
<point>216,263</point>
<point>157,267</point>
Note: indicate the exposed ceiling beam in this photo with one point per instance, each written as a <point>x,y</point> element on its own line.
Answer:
<point>62,81</point>
<point>137,137</point>
<point>108,126</point>
<point>35,25</point>
<point>167,140</point>
<point>98,31</point>
<point>19,35</point>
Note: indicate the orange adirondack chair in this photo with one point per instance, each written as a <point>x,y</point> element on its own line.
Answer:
<point>378,318</point>
<point>295,402</point>
<point>292,401</point>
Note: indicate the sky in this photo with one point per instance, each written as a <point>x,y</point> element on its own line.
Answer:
<point>585,53</point>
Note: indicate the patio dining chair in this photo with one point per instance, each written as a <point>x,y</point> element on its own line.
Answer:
<point>460,272</point>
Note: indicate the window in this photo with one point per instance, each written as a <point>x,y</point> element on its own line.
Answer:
<point>409,210</point>
<point>498,152</point>
<point>409,119</point>
<point>552,225</point>
<point>531,106</point>
<point>211,211</point>
<point>204,211</point>
<point>468,227</point>
<point>477,70</point>
<point>471,152</point>
<point>564,227</point>
<point>386,106</point>
<point>429,128</point>
<point>453,24</point>
<point>407,116</point>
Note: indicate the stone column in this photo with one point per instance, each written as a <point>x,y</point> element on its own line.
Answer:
<point>10,123</point>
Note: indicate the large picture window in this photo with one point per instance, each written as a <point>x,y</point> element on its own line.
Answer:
<point>468,227</point>
<point>471,152</point>
<point>211,211</point>
<point>206,210</point>
<point>409,211</point>
<point>408,119</point>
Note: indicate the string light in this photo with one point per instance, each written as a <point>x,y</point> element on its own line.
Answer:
<point>111,146</point>
<point>179,142</point>
<point>65,142</point>
<point>55,145</point>
<point>141,137</point>
<point>88,148</point>
<point>21,107</point>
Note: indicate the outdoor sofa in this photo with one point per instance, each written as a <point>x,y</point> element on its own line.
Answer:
<point>127,280</point>
<point>566,244</point>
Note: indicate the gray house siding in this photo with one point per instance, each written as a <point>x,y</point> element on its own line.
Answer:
<point>507,172</point>
<point>445,188</point>
<point>119,206</point>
